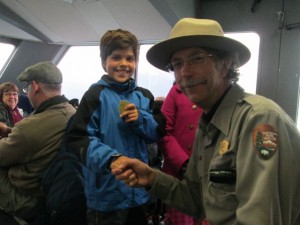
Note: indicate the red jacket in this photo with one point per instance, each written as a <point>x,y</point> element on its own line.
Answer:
<point>182,121</point>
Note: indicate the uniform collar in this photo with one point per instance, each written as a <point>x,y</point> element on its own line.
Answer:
<point>221,113</point>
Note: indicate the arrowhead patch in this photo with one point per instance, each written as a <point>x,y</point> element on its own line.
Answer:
<point>265,140</point>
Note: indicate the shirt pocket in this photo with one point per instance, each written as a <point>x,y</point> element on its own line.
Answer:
<point>222,180</point>
<point>223,196</point>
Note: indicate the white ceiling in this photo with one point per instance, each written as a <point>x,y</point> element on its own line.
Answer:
<point>79,22</point>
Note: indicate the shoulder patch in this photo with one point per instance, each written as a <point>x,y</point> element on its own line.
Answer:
<point>265,141</point>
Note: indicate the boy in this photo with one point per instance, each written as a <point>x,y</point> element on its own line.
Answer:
<point>114,119</point>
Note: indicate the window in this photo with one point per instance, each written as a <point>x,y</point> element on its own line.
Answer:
<point>298,109</point>
<point>248,72</point>
<point>81,67</point>
<point>157,81</point>
<point>6,51</point>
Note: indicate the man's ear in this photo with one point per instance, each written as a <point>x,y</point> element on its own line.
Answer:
<point>35,86</point>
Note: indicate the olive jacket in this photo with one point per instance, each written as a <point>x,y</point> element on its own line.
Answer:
<point>33,143</point>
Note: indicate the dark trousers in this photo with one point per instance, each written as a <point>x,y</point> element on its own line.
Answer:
<point>131,216</point>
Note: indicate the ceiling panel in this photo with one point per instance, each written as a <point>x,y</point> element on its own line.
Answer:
<point>11,31</point>
<point>79,22</point>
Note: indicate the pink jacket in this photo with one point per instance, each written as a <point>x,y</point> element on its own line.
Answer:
<point>182,121</point>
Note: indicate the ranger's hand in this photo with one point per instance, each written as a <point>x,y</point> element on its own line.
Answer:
<point>133,172</point>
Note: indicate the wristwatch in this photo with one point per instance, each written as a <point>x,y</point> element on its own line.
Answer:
<point>111,159</point>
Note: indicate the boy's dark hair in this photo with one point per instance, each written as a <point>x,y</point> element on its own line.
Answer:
<point>118,39</point>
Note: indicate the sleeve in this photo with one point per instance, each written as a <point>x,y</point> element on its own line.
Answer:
<point>84,137</point>
<point>12,149</point>
<point>145,126</point>
<point>184,195</point>
<point>173,152</point>
<point>268,172</point>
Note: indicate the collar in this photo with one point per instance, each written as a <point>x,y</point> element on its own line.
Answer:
<point>206,117</point>
<point>221,113</point>
<point>119,87</point>
<point>50,102</point>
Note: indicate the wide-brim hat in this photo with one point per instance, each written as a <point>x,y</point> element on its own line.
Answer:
<point>191,32</point>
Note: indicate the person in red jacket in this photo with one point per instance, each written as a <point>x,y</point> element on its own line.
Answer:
<point>181,123</point>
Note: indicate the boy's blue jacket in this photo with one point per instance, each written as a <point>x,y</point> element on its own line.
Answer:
<point>98,132</point>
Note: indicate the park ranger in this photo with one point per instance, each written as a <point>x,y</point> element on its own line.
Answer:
<point>245,167</point>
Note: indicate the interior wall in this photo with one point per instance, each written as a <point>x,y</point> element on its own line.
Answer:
<point>26,54</point>
<point>279,57</point>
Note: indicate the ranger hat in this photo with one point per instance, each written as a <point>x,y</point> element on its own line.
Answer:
<point>44,72</point>
<point>190,32</point>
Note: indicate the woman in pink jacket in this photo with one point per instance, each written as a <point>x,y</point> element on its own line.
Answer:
<point>181,124</point>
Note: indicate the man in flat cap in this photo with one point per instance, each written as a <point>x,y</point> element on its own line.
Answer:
<point>32,144</point>
<point>244,169</point>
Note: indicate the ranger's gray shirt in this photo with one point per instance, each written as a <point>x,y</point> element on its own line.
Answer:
<point>255,138</point>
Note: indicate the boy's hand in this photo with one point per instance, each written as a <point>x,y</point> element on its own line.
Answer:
<point>133,172</point>
<point>122,105</point>
<point>130,113</point>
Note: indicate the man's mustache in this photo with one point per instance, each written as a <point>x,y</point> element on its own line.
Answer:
<point>189,83</point>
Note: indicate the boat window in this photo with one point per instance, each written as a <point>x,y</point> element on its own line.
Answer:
<point>6,51</point>
<point>81,66</point>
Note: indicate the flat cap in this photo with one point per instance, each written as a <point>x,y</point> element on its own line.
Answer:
<point>44,72</point>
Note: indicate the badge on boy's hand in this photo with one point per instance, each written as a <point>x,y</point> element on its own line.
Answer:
<point>122,105</point>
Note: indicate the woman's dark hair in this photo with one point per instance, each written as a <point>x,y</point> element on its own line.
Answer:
<point>7,87</point>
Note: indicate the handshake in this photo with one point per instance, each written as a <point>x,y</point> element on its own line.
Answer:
<point>133,172</point>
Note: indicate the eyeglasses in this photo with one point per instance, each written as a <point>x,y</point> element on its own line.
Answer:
<point>14,94</point>
<point>197,59</point>
<point>26,87</point>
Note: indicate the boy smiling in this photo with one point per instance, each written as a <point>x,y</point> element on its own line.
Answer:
<point>101,133</point>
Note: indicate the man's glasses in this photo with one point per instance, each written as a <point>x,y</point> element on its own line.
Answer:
<point>26,87</point>
<point>197,59</point>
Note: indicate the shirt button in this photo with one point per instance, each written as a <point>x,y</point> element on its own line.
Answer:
<point>194,107</point>
<point>189,147</point>
<point>191,127</point>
